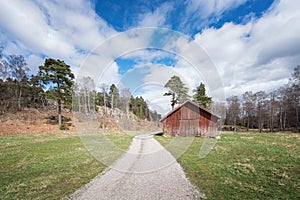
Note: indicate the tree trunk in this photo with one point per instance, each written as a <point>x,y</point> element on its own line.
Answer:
<point>234,124</point>
<point>280,118</point>
<point>284,121</point>
<point>59,111</point>
<point>297,119</point>
<point>19,98</point>
<point>272,122</point>
<point>112,101</point>
<point>79,103</point>
<point>59,105</point>
<point>248,121</point>
<point>88,102</point>
<point>104,102</point>
<point>173,101</point>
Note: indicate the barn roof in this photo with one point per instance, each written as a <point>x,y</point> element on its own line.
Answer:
<point>192,103</point>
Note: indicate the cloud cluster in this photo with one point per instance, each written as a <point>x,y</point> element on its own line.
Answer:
<point>258,55</point>
<point>60,29</point>
<point>156,18</point>
<point>204,11</point>
<point>151,72</point>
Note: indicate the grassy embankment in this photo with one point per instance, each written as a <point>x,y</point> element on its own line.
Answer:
<point>49,166</point>
<point>246,166</point>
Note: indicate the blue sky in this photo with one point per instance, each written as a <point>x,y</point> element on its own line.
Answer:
<point>231,45</point>
<point>124,14</point>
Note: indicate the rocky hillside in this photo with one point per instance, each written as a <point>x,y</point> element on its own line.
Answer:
<point>116,119</point>
<point>41,122</point>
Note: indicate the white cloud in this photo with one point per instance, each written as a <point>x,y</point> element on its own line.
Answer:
<point>197,66</point>
<point>153,88</point>
<point>154,94</point>
<point>148,55</point>
<point>191,64</point>
<point>205,8</point>
<point>66,30</point>
<point>204,12</point>
<point>258,55</point>
<point>24,21</point>
<point>157,18</point>
<point>110,75</point>
<point>33,62</point>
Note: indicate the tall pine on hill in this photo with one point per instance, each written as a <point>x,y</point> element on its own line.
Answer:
<point>57,74</point>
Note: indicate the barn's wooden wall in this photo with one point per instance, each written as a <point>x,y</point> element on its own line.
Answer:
<point>190,120</point>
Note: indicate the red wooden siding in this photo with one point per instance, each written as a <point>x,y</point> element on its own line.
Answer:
<point>190,119</point>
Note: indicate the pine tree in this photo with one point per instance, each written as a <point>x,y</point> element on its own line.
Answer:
<point>177,90</point>
<point>200,96</point>
<point>59,75</point>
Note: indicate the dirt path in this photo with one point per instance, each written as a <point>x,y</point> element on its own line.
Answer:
<point>146,171</point>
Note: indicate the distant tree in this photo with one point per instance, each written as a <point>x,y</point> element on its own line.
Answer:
<point>125,100</point>
<point>282,104</point>
<point>101,98</point>
<point>273,109</point>
<point>177,90</point>
<point>38,95</point>
<point>295,94</point>
<point>260,108</point>
<point>234,110</point>
<point>295,79</point>
<point>19,69</point>
<point>249,107</point>
<point>219,108</point>
<point>139,107</point>
<point>114,96</point>
<point>85,95</point>
<point>59,75</point>
<point>155,116</point>
<point>200,96</point>
<point>90,93</point>
<point>4,67</point>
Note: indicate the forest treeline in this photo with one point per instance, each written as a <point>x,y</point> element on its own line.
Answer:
<point>277,110</point>
<point>86,99</point>
<point>53,86</point>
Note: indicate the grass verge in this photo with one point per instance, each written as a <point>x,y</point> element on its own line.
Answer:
<point>49,166</point>
<point>245,166</point>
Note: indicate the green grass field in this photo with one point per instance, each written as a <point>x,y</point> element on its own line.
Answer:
<point>245,166</point>
<point>49,166</point>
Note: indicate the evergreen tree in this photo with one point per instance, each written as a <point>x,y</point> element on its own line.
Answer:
<point>59,75</point>
<point>177,90</point>
<point>200,96</point>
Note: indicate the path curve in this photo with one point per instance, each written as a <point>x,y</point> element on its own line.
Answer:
<point>146,171</point>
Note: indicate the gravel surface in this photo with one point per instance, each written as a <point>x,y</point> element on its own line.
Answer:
<point>146,171</point>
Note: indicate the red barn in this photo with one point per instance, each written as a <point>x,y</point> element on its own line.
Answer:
<point>190,119</point>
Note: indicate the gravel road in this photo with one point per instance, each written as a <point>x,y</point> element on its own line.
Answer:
<point>146,171</point>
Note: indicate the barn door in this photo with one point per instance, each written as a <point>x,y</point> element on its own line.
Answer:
<point>189,127</point>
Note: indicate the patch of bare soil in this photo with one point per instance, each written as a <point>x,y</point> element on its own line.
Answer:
<point>35,121</point>
<point>32,121</point>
